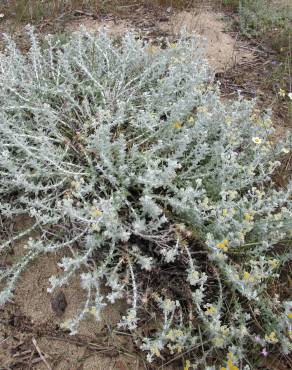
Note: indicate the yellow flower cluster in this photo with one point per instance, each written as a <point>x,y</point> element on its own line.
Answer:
<point>272,337</point>
<point>187,365</point>
<point>230,363</point>
<point>223,245</point>
<point>154,350</point>
<point>92,310</point>
<point>248,216</point>
<point>173,334</point>
<point>202,109</point>
<point>211,310</point>
<point>247,277</point>
<point>95,212</point>
<point>274,263</point>
<point>228,120</point>
<point>230,366</point>
<point>225,212</point>
<point>177,125</point>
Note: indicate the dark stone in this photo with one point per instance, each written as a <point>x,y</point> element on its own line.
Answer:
<point>59,303</point>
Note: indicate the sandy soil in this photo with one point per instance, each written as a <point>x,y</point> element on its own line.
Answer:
<point>222,50</point>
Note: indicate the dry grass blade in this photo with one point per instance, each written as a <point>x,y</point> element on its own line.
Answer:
<point>41,354</point>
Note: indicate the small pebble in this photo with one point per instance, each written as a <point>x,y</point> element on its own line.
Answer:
<point>59,303</point>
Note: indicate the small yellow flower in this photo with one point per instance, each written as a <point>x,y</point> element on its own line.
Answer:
<point>246,276</point>
<point>274,263</point>
<point>268,122</point>
<point>92,310</point>
<point>228,120</point>
<point>172,45</point>
<point>248,216</point>
<point>211,310</point>
<point>95,227</point>
<point>177,125</point>
<point>95,212</point>
<point>230,356</point>
<point>170,335</point>
<point>223,245</point>
<point>202,109</point>
<point>76,185</point>
<point>191,119</point>
<point>257,140</point>
<point>187,365</point>
<point>282,93</point>
<point>218,341</point>
<point>179,333</point>
<point>272,338</point>
<point>278,216</point>
<point>231,366</point>
<point>155,350</point>
<point>289,315</point>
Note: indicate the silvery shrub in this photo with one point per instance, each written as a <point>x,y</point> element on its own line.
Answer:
<point>128,161</point>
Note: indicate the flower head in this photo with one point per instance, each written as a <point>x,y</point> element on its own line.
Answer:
<point>211,310</point>
<point>95,212</point>
<point>257,140</point>
<point>187,365</point>
<point>228,120</point>
<point>202,109</point>
<point>177,125</point>
<point>271,338</point>
<point>282,93</point>
<point>223,245</point>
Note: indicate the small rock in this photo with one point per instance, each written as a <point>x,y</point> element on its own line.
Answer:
<point>59,303</point>
<point>163,19</point>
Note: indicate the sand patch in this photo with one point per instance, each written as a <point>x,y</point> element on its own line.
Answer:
<point>114,27</point>
<point>222,50</point>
